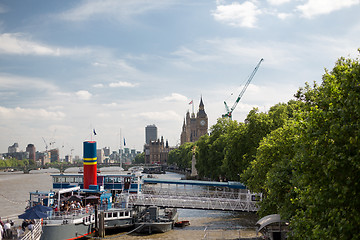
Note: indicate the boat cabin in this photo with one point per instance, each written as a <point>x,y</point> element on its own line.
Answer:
<point>119,182</point>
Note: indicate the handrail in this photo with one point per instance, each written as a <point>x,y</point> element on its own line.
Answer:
<point>35,233</point>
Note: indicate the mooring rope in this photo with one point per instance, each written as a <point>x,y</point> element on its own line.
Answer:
<point>11,200</point>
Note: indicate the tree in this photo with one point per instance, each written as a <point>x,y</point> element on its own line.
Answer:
<point>182,156</point>
<point>140,158</point>
<point>210,150</point>
<point>327,162</point>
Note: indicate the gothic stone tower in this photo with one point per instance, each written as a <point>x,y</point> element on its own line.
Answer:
<point>194,127</point>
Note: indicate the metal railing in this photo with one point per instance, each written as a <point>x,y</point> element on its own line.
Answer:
<point>35,233</point>
<point>194,202</point>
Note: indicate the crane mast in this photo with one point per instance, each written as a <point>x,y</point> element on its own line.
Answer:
<point>228,113</point>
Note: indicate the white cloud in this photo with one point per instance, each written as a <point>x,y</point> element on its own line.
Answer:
<point>113,104</point>
<point>318,7</point>
<point>278,2</point>
<point>112,8</point>
<point>83,95</point>
<point>16,43</point>
<point>192,55</point>
<point>97,64</point>
<point>30,114</point>
<point>284,16</point>
<point>98,85</point>
<point>122,84</point>
<point>175,97</point>
<point>161,116</point>
<point>8,81</point>
<point>237,15</point>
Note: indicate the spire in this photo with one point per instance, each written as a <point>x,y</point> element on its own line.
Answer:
<point>201,105</point>
<point>201,113</point>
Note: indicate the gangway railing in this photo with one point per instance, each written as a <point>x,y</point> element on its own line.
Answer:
<point>196,198</point>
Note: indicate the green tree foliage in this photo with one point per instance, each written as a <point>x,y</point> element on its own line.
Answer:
<point>12,162</point>
<point>182,156</point>
<point>211,150</point>
<point>327,165</point>
<point>308,168</point>
<point>140,158</point>
<point>271,171</point>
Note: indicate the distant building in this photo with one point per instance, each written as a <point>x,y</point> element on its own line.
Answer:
<point>156,152</point>
<point>100,155</point>
<point>107,151</point>
<point>76,158</point>
<point>68,159</point>
<point>14,148</point>
<point>32,151</point>
<point>44,157</point>
<point>194,127</point>
<point>150,133</point>
<point>54,155</point>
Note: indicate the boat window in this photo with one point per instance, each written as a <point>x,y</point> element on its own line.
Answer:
<point>61,179</point>
<point>121,214</point>
<point>55,179</point>
<point>69,179</point>
<point>78,179</point>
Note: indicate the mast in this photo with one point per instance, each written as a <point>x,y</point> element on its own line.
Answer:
<point>120,151</point>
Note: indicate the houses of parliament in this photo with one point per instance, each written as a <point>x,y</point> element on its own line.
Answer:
<point>194,126</point>
<point>157,151</point>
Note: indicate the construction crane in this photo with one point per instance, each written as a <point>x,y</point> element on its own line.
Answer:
<point>46,146</point>
<point>229,111</point>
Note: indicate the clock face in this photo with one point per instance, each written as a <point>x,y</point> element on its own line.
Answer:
<point>202,122</point>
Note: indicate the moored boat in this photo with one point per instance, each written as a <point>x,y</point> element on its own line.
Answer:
<point>151,221</point>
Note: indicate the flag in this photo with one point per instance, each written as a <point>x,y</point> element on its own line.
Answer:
<point>191,102</point>
<point>124,142</point>
<point>94,132</point>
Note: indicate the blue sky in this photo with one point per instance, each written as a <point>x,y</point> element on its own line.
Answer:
<point>69,66</point>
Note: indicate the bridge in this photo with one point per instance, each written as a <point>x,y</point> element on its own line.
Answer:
<point>231,196</point>
<point>60,167</point>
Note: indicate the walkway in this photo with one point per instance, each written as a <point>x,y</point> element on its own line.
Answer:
<point>229,196</point>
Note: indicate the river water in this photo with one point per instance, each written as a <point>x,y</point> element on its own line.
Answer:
<point>15,187</point>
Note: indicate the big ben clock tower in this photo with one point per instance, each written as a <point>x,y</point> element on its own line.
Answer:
<point>194,127</point>
<point>201,121</point>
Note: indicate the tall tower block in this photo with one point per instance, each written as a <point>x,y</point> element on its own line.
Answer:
<point>90,164</point>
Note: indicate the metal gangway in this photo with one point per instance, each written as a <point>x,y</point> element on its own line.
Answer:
<point>230,196</point>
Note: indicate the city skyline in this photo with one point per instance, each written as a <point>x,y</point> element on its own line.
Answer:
<point>68,67</point>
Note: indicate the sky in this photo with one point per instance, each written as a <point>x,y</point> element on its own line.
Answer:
<point>68,67</point>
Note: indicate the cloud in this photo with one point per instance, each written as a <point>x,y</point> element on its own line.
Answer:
<point>318,7</point>
<point>284,16</point>
<point>194,56</point>
<point>8,81</point>
<point>115,9</point>
<point>122,84</point>
<point>30,113</point>
<point>83,95</point>
<point>113,104</point>
<point>237,15</point>
<point>98,85</point>
<point>161,116</point>
<point>175,97</point>
<point>277,2</point>
<point>16,43</point>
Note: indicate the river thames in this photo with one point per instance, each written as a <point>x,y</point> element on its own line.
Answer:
<point>15,188</point>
